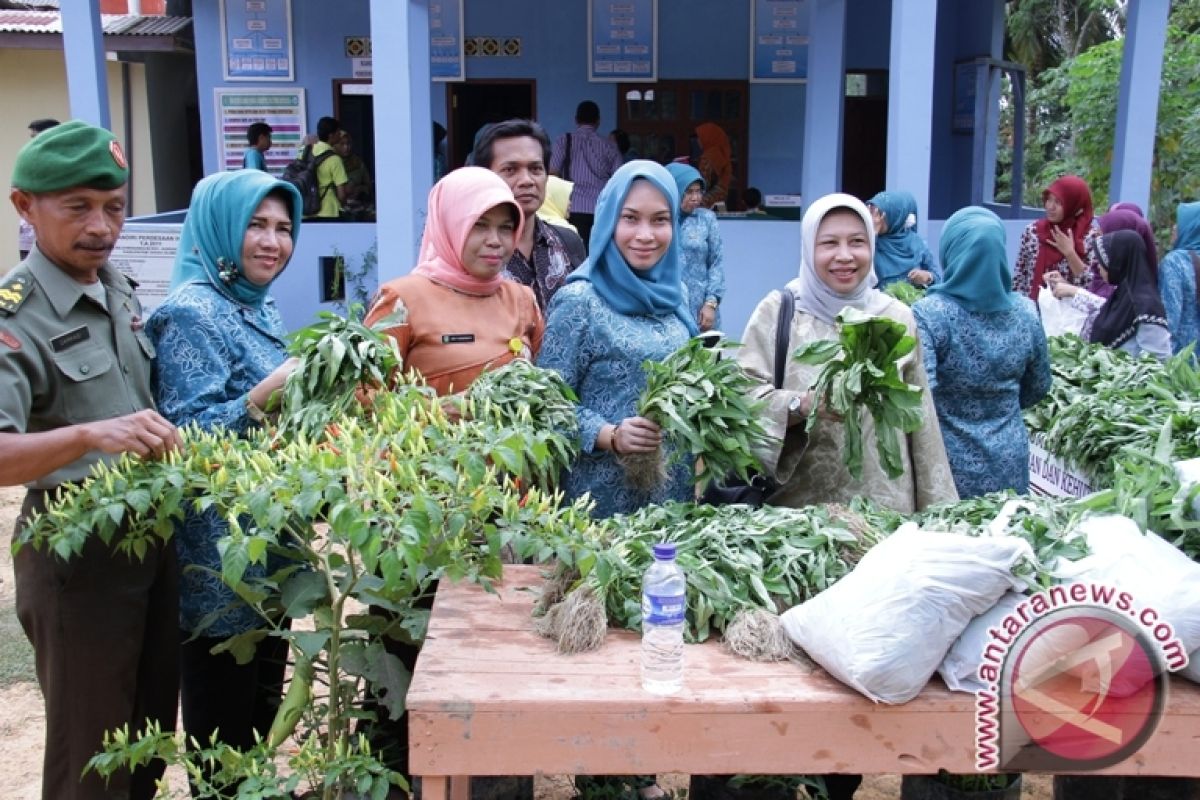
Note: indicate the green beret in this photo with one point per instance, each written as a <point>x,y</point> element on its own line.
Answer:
<point>69,155</point>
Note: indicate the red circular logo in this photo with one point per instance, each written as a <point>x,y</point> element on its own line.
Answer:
<point>1086,687</point>
<point>118,154</point>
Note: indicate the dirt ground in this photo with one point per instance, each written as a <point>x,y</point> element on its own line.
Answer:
<point>22,722</point>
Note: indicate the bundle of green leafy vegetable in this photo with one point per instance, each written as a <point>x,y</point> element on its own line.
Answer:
<point>522,395</point>
<point>338,357</point>
<point>735,558</point>
<point>860,374</point>
<point>1104,401</point>
<point>701,401</point>
<point>904,291</point>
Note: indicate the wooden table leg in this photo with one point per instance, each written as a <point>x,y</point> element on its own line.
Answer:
<point>434,787</point>
<point>460,787</point>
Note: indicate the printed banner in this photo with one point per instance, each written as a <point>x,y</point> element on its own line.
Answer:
<point>146,253</point>
<point>1050,476</point>
<point>446,62</point>
<point>779,41</point>
<point>256,39</point>
<point>237,109</point>
<point>622,40</point>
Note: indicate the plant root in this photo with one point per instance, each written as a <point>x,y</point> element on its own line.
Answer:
<point>644,471</point>
<point>758,635</point>
<point>578,623</point>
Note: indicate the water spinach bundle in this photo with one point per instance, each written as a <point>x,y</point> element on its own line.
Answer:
<point>699,396</point>
<point>860,374</point>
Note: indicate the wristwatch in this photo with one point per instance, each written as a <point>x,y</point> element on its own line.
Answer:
<point>794,406</point>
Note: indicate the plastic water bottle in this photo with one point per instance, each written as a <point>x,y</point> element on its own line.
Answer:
<point>664,603</point>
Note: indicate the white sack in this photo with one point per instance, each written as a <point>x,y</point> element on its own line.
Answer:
<point>1059,316</point>
<point>884,628</point>
<point>960,668</point>
<point>1151,569</point>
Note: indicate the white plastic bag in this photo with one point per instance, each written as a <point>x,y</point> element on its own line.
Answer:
<point>1059,316</point>
<point>1154,572</point>
<point>884,628</point>
<point>960,668</point>
<point>1189,474</point>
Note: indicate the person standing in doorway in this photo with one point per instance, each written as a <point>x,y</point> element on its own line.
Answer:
<point>517,150</point>
<point>258,136</point>
<point>75,390</point>
<point>588,160</point>
<point>25,230</point>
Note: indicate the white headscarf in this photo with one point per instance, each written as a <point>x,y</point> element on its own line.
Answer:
<point>812,295</point>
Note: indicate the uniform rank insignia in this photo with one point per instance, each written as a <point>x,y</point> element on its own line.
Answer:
<point>12,294</point>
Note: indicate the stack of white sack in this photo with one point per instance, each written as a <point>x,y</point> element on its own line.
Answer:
<point>884,628</point>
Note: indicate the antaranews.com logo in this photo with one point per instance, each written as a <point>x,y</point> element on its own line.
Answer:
<point>1076,680</point>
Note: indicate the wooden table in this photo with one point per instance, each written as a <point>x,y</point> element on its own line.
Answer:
<point>491,697</point>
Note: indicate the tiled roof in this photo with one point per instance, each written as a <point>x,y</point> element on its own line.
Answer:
<point>114,24</point>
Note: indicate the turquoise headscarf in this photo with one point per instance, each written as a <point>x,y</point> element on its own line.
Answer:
<point>684,175</point>
<point>975,262</point>
<point>210,246</point>
<point>898,249</point>
<point>656,291</point>
<point>1187,226</point>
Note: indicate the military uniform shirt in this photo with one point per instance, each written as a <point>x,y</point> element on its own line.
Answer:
<point>66,358</point>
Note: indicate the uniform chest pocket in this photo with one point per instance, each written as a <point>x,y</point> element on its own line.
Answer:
<point>84,393</point>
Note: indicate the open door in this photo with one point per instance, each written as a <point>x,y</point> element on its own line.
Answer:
<point>473,104</point>
<point>864,134</point>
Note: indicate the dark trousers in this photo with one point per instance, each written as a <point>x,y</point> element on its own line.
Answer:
<point>217,693</point>
<point>1124,787</point>
<point>583,223</point>
<point>104,628</point>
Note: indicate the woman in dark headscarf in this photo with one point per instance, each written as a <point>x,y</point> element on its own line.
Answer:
<point>1061,241</point>
<point>221,354</point>
<point>1125,219</point>
<point>1133,319</point>
<point>900,252</point>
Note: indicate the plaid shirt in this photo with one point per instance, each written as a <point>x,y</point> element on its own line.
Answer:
<point>556,253</point>
<point>593,161</point>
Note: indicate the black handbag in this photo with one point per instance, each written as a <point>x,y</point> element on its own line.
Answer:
<point>754,492</point>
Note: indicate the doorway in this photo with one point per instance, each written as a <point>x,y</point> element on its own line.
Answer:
<point>864,134</point>
<point>473,104</point>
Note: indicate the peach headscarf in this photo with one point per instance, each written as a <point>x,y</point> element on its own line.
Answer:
<point>456,203</point>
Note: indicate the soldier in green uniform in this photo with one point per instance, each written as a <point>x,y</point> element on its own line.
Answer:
<point>75,388</point>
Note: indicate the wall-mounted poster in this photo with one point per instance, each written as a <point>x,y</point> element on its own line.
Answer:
<point>446,62</point>
<point>282,109</point>
<point>622,40</point>
<point>256,40</point>
<point>779,41</point>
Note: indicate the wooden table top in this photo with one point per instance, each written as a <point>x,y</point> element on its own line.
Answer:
<point>491,697</point>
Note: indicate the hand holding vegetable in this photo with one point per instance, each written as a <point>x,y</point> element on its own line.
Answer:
<point>636,435</point>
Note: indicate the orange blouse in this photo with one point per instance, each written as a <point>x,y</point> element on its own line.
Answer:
<point>450,337</point>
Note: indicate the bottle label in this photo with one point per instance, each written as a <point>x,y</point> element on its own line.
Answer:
<point>664,609</point>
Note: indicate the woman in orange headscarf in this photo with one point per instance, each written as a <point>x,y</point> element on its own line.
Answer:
<point>716,163</point>
<point>462,316</point>
<point>1061,241</point>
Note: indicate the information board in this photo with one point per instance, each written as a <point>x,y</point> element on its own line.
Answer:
<point>256,40</point>
<point>237,109</point>
<point>446,62</point>
<point>146,253</point>
<point>622,40</point>
<point>779,41</point>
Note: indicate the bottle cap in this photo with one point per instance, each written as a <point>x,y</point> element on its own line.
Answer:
<point>664,552</point>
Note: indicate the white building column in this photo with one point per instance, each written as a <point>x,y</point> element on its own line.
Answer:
<point>403,131</point>
<point>910,101</point>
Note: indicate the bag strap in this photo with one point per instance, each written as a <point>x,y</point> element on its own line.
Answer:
<point>783,334</point>
<point>566,167</point>
<point>1196,269</point>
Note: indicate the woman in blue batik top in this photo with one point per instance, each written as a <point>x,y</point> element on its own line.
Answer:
<point>985,355</point>
<point>221,355</point>
<point>700,245</point>
<point>1177,278</point>
<point>900,252</point>
<point>623,306</point>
